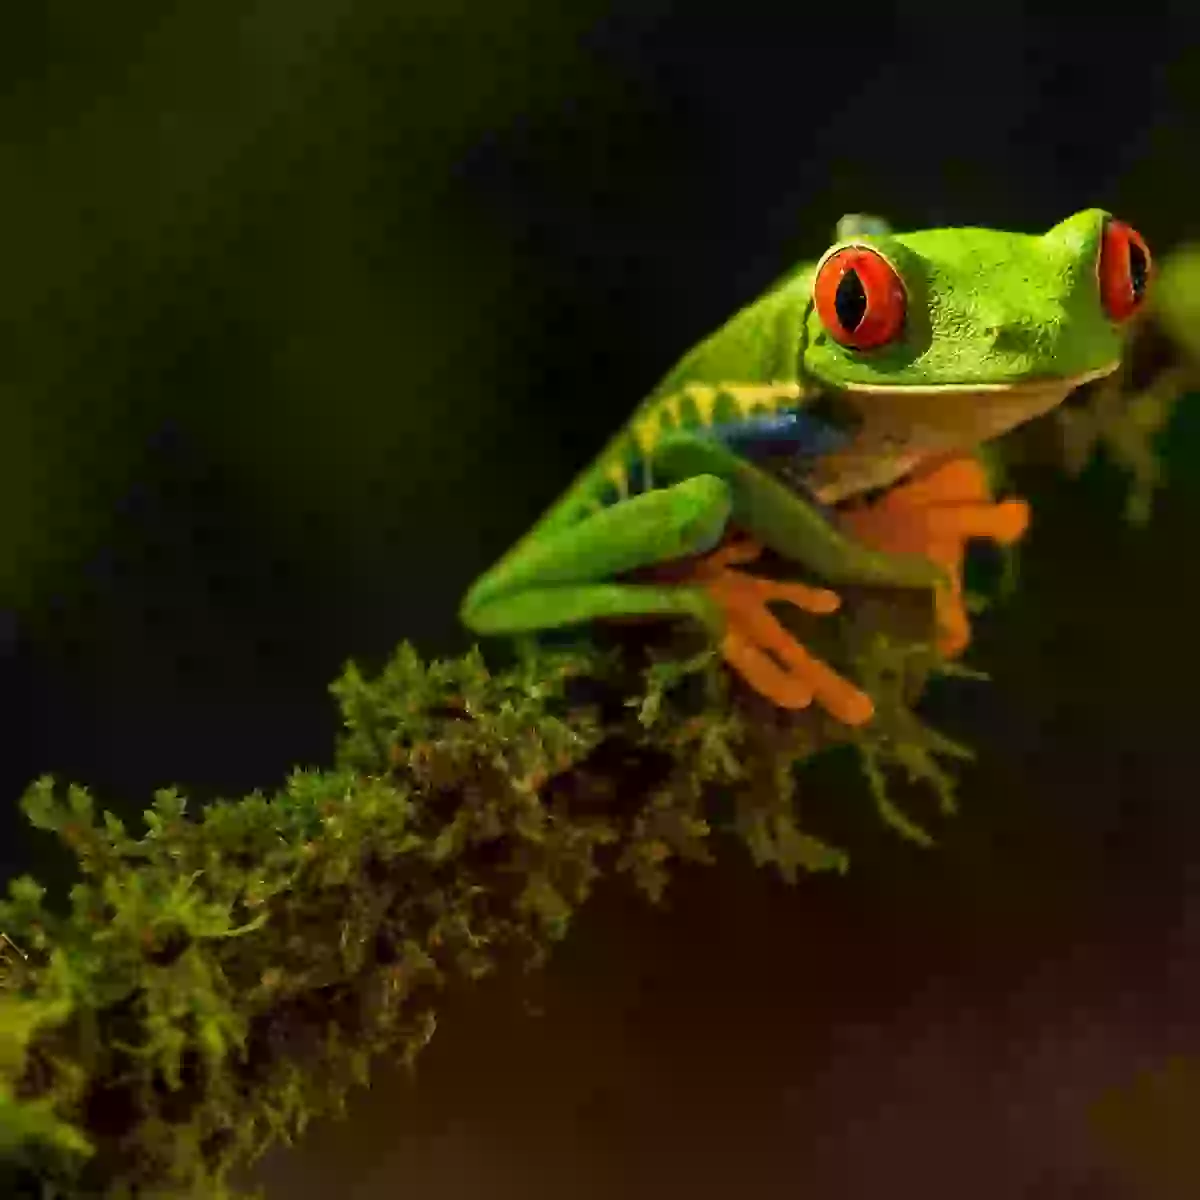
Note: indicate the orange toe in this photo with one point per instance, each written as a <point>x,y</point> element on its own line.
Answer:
<point>953,623</point>
<point>1004,523</point>
<point>763,673</point>
<point>820,601</point>
<point>1010,520</point>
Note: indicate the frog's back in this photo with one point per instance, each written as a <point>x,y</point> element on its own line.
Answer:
<point>748,368</point>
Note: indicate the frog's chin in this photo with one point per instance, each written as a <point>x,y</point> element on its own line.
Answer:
<point>901,427</point>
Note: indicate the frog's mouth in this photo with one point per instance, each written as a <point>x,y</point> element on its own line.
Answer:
<point>898,428</point>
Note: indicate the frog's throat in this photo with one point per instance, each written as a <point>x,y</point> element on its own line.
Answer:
<point>901,427</point>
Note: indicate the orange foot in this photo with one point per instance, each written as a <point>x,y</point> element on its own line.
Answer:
<point>935,514</point>
<point>761,650</point>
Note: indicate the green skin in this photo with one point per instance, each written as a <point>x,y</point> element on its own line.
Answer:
<point>999,328</point>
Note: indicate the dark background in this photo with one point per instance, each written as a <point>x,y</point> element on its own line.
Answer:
<point>308,307</point>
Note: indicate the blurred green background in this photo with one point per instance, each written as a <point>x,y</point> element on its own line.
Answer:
<point>310,306</point>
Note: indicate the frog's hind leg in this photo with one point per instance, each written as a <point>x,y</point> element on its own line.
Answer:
<point>569,574</point>
<point>589,570</point>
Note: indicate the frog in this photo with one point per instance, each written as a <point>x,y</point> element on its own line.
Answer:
<point>881,371</point>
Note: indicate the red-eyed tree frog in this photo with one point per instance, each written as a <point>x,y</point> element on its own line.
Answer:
<point>884,365</point>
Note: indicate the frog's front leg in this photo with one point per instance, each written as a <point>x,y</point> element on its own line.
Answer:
<point>934,514</point>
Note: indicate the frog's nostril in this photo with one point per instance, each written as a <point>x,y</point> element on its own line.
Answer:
<point>1013,337</point>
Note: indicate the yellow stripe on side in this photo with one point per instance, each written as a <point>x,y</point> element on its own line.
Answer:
<point>704,397</point>
<point>749,396</point>
<point>618,475</point>
<point>667,413</point>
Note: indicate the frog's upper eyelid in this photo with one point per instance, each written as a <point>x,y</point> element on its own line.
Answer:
<point>857,243</point>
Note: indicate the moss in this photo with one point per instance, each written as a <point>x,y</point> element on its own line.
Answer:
<point>218,978</point>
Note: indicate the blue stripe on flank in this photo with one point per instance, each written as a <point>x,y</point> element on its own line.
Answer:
<point>797,432</point>
<point>798,435</point>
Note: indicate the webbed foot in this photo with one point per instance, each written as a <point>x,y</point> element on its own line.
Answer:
<point>935,514</point>
<point>761,650</point>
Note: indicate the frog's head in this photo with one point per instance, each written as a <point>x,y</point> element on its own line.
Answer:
<point>941,339</point>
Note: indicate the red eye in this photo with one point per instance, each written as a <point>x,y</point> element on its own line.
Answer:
<point>1123,270</point>
<point>859,298</point>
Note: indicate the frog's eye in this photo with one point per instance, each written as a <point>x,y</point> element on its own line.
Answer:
<point>1123,270</point>
<point>859,298</point>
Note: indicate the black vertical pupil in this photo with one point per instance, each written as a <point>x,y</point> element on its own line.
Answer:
<point>1137,270</point>
<point>850,301</point>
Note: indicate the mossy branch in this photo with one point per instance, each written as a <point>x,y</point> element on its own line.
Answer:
<point>219,978</point>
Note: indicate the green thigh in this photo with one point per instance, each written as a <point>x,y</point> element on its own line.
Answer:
<point>563,576</point>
